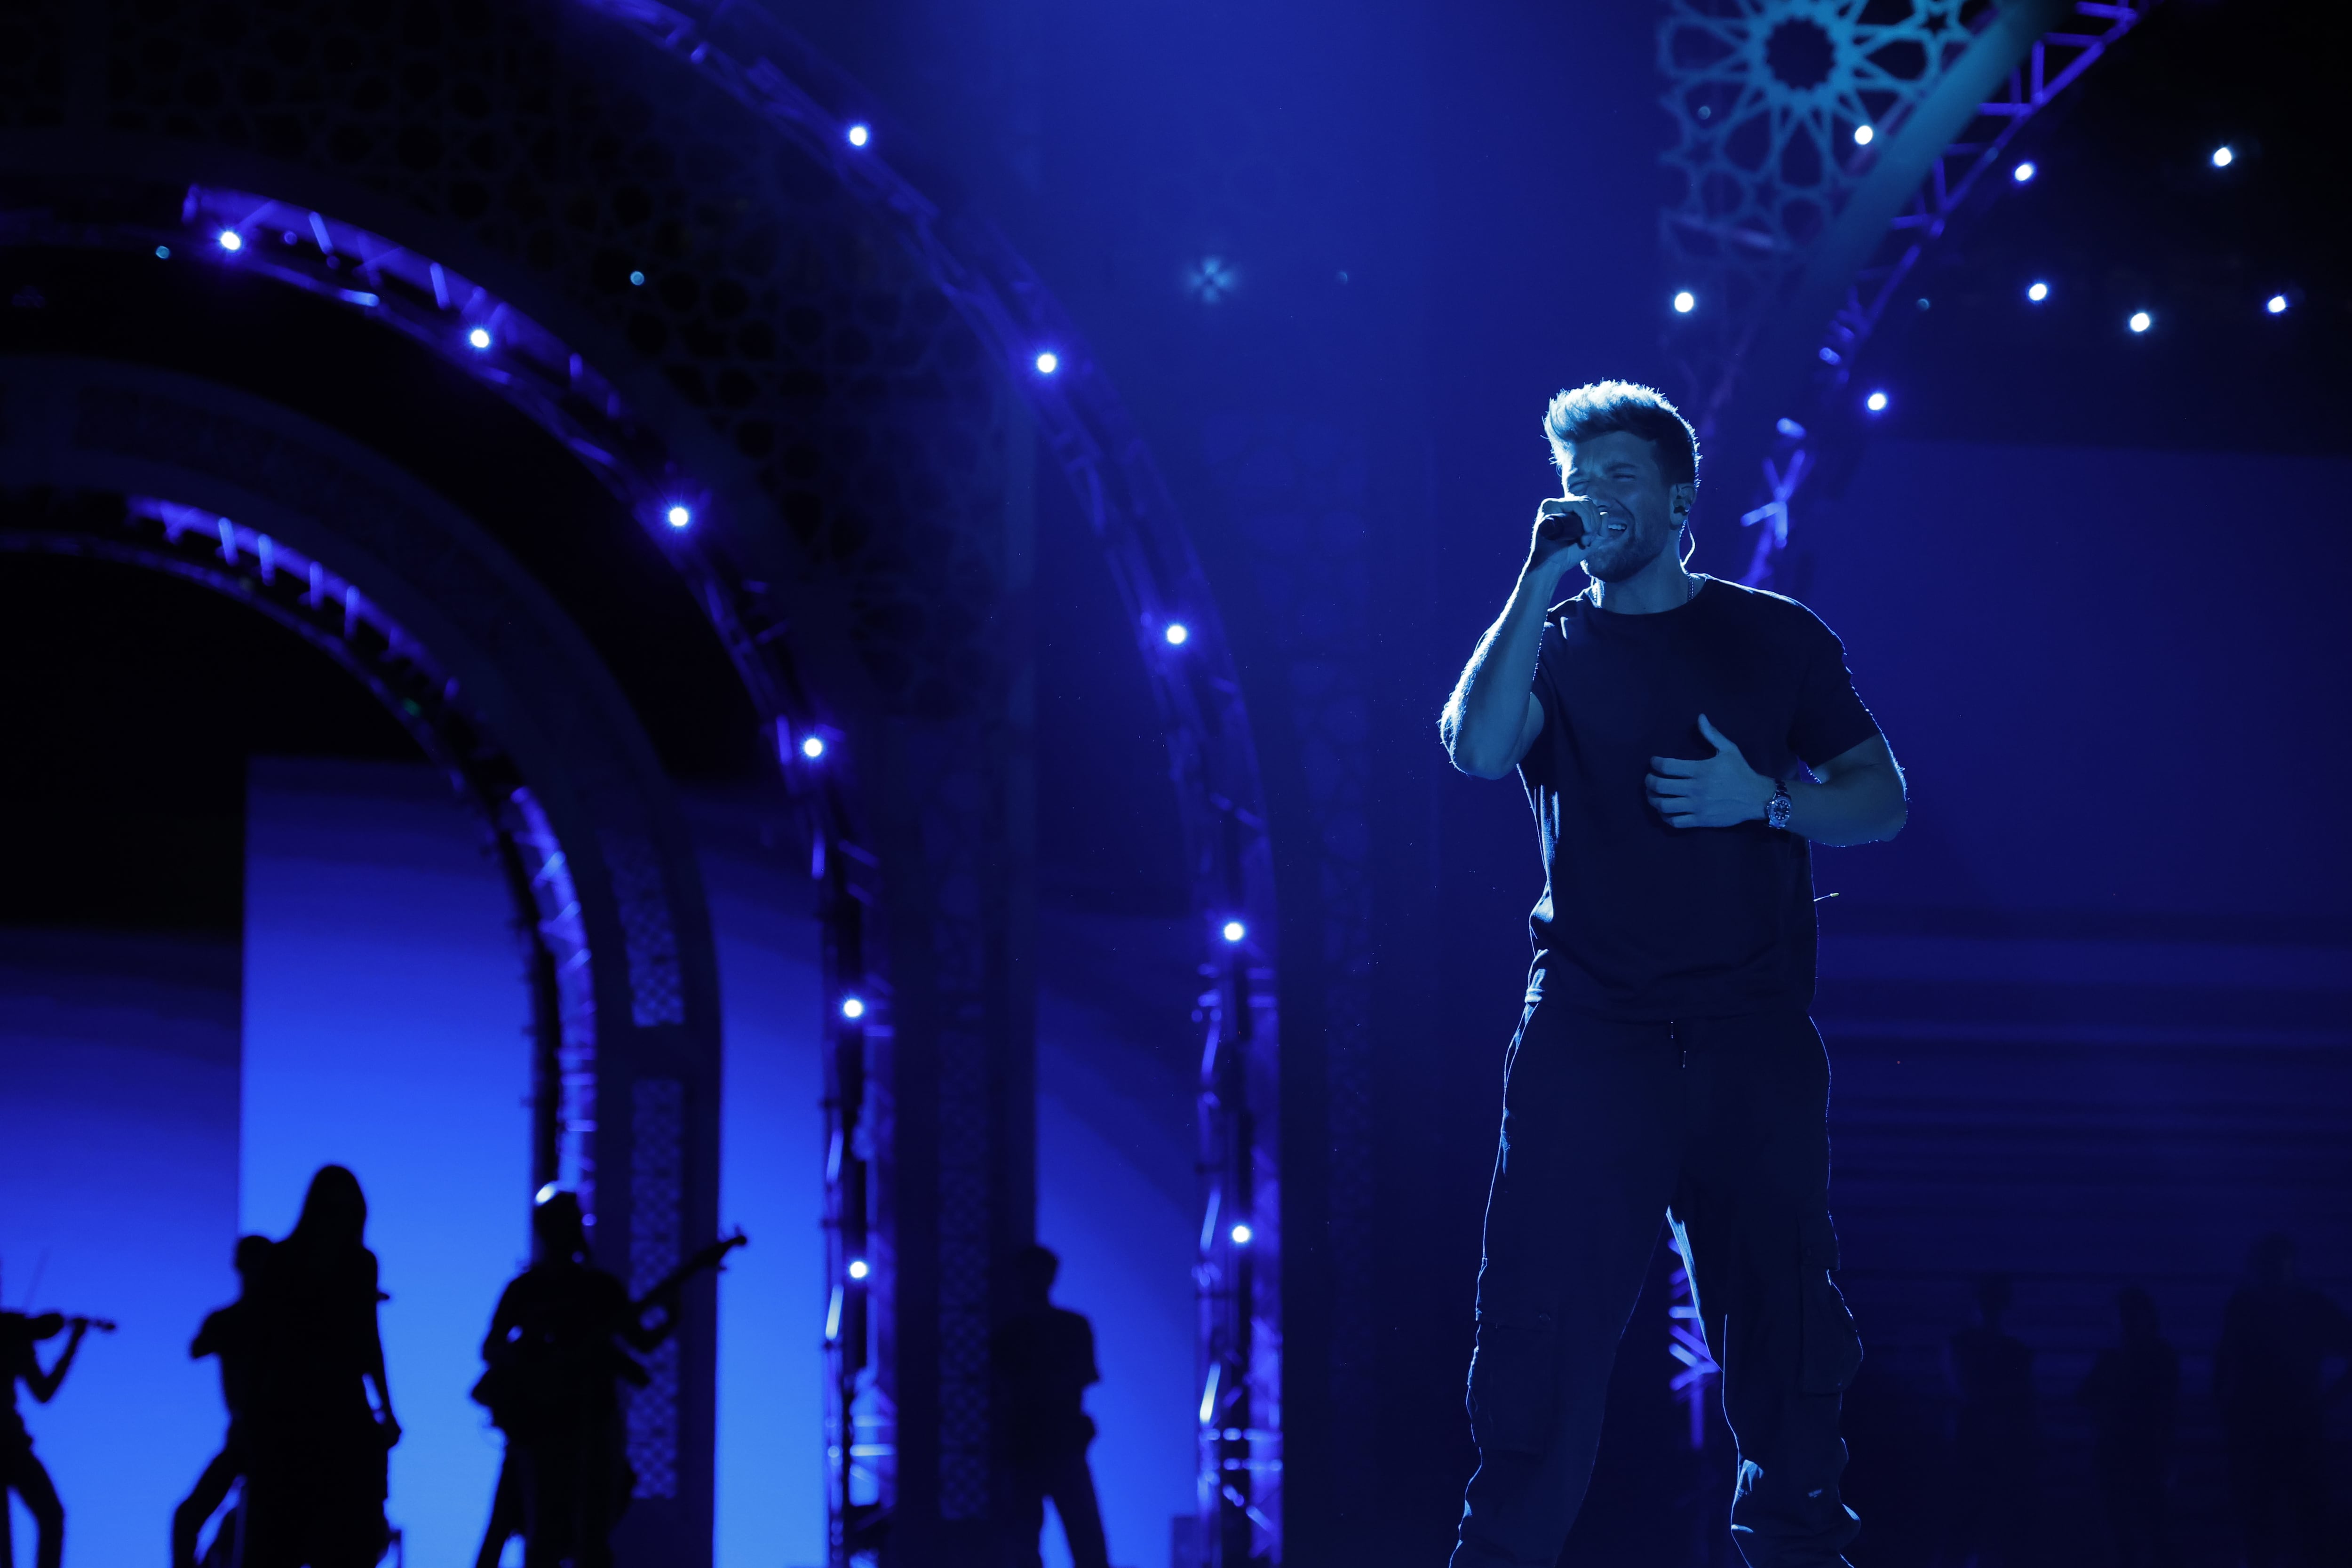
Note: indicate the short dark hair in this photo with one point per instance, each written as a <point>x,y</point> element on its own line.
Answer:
<point>1604,406</point>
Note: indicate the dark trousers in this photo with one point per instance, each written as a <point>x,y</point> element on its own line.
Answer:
<point>1065,1478</point>
<point>211,1491</point>
<point>1719,1124</point>
<point>2278,1471</point>
<point>2133,1487</point>
<point>25,1475</point>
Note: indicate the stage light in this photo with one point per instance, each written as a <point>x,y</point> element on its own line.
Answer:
<point>1863,135</point>
<point>544,1193</point>
<point>2224,155</point>
<point>678,516</point>
<point>2037,291</point>
<point>1875,402</point>
<point>812,747</point>
<point>231,240</point>
<point>2140,321</point>
<point>860,134</point>
<point>853,1007</point>
<point>1211,280</point>
<point>2023,173</point>
<point>637,280</point>
<point>1178,634</point>
<point>1048,363</point>
<point>479,337</point>
<point>1242,1235</point>
<point>1789,428</point>
<point>2276,304</point>
<point>1686,302</point>
<point>1234,931</point>
<point>163,253</point>
<point>858,1269</point>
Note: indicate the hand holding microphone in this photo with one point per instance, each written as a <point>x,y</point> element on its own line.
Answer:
<point>1567,528</point>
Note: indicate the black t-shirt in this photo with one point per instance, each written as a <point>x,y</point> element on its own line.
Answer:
<point>1640,920</point>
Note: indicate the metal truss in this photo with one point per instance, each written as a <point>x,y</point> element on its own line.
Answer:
<point>2052,64</point>
<point>1213,761</point>
<point>734,82</point>
<point>1824,147</point>
<point>1779,106</point>
<point>1687,1342</point>
<point>331,614</point>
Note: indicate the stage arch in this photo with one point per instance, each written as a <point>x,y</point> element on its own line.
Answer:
<point>644,226</point>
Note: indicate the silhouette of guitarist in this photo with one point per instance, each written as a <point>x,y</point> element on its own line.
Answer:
<point>558,1348</point>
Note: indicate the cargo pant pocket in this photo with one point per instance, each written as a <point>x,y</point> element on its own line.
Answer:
<point>1831,1350</point>
<point>1513,1386</point>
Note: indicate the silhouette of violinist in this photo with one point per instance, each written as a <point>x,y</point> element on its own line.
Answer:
<point>21,1470</point>
<point>317,1453</point>
<point>228,1334</point>
<point>558,1351</point>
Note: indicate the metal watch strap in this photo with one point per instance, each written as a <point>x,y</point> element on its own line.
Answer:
<point>1776,811</point>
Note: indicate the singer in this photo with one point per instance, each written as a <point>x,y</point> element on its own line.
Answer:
<point>1682,741</point>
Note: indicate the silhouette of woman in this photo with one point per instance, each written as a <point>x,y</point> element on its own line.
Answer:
<point>316,1451</point>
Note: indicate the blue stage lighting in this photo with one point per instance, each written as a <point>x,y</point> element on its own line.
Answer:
<point>812,747</point>
<point>231,240</point>
<point>1048,363</point>
<point>637,280</point>
<point>2037,291</point>
<point>1234,931</point>
<point>1242,1235</point>
<point>2224,155</point>
<point>677,516</point>
<point>1863,135</point>
<point>853,1007</point>
<point>1875,402</point>
<point>1211,280</point>
<point>545,1193</point>
<point>2276,304</point>
<point>479,337</point>
<point>860,134</point>
<point>858,1269</point>
<point>2140,321</point>
<point>163,253</point>
<point>1178,634</point>
<point>2023,173</point>
<point>1686,302</point>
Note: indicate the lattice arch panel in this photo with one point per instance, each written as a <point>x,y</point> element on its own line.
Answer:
<point>1822,147</point>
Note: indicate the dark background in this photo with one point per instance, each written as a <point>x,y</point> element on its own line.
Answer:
<point>2088,1013</point>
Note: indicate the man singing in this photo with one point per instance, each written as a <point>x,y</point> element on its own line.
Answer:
<point>1681,740</point>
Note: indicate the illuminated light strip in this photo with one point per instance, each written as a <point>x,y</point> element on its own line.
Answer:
<point>1126,503</point>
<point>547,871</point>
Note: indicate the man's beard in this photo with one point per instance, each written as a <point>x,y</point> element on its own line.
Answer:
<point>1627,555</point>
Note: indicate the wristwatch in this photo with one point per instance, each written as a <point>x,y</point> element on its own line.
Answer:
<point>1776,810</point>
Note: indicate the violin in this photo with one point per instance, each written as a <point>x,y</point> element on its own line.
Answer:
<point>48,1325</point>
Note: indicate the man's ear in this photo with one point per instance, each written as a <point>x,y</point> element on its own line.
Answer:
<point>1680,499</point>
